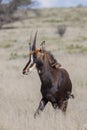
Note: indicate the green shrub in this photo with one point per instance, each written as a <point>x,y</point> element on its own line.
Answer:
<point>76,48</point>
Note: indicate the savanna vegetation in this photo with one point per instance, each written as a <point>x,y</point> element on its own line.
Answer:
<point>65,33</point>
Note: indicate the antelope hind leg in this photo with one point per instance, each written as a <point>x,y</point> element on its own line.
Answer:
<point>63,105</point>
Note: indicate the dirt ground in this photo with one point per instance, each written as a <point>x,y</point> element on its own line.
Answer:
<point>19,94</point>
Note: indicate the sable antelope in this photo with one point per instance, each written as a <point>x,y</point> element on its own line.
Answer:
<point>56,86</point>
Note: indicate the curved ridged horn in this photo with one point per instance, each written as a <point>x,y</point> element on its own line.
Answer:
<point>34,42</point>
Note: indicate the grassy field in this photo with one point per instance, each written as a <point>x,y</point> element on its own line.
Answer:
<point>19,94</point>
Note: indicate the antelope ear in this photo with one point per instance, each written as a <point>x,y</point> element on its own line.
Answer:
<point>42,46</point>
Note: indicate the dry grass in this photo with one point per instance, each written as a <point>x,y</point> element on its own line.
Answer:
<point>20,95</point>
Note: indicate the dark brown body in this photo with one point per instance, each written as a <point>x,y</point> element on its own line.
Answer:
<point>56,86</point>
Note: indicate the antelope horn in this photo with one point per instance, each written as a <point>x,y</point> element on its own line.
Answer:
<point>34,42</point>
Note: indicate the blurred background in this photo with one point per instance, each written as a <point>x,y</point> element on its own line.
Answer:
<point>63,25</point>
<point>8,7</point>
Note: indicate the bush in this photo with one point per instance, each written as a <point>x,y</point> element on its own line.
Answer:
<point>61,30</point>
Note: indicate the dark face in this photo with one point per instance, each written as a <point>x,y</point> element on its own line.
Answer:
<point>29,66</point>
<point>36,60</point>
<point>36,56</point>
<point>31,63</point>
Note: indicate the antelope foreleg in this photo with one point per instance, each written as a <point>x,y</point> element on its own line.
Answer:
<point>42,105</point>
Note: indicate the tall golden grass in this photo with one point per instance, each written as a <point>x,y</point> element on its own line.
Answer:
<point>20,95</point>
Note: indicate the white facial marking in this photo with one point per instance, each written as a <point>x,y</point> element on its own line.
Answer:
<point>32,68</point>
<point>32,59</point>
